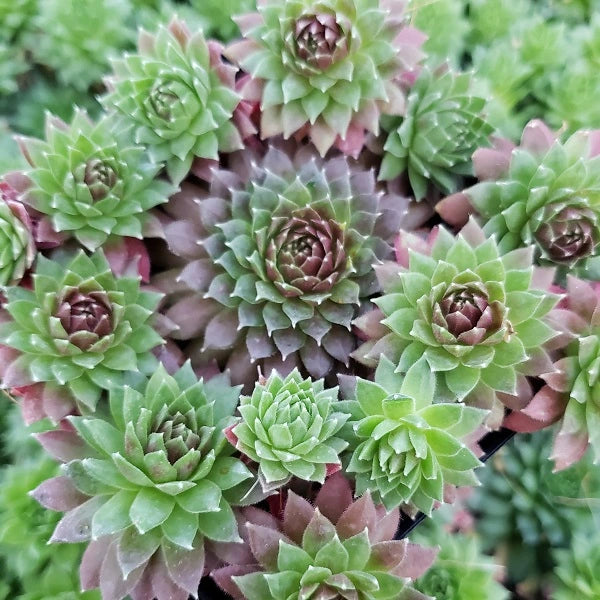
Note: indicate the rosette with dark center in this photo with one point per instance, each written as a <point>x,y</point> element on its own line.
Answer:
<point>546,191</point>
<point>84,324</point>
<point>320,40</point>
<point>278,255</point>
<point>100,177</point>
<point>466,316</point>
<point>326,68</point>
<point>165,471</point>
<point>85,317</point>
<point>572,234</point>
<point>161,101</point>
<point>306,254</point>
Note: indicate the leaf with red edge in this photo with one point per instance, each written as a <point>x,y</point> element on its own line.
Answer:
<point>58,494</point>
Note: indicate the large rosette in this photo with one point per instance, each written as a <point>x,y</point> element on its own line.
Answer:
<point>287,244</point>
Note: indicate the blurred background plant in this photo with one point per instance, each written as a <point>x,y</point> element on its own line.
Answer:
<point>461,571</point>
<point>525,534</point>
<point>536,57</point>
<point>30,569</point>
<point>526,515</point>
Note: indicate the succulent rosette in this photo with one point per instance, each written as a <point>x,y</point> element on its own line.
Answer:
<point>472,322</point>
<point>569,393</point>
<point>278,256</point>
<point>544,192</point>
<point>443,125</point>
<point>326,68</point>
<point>17,247</point>
<point>406,448</point>
<point>179,95</point>
<point>147,487</point>
<point>79,327</point>
<point>289,426</point>
<point>337,549</point>
<point>90,181</point>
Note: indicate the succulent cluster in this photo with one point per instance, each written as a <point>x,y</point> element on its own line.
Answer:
<point>531,57</point>
<point>326,69</point>
<point>247,336</point>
